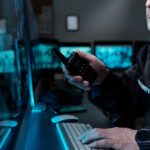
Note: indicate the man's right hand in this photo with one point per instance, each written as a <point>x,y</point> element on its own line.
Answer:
<point>96,64</point>
<point>116,138</point>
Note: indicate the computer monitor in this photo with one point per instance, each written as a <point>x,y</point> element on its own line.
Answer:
<point>116,55</point>
<point>67,48</point>
<point>11,86</point>
<point>14,93</point>
<point>42,54</point>
<point>26,32</point>
<point>43,67</point>
<point>7,61</point>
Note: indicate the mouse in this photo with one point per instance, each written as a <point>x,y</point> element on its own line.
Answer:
<point>64,118</point>
<point>8,123</point>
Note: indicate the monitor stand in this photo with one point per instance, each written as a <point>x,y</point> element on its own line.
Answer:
<point>39,107</point>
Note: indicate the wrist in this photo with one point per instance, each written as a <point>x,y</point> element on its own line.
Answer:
<point>142,138</point>
<point>102,76</point>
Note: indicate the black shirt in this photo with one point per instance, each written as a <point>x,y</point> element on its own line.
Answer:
<point>127,95</point>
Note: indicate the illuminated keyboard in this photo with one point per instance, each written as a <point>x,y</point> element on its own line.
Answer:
<point>4,135</point>
<point>69,133</point>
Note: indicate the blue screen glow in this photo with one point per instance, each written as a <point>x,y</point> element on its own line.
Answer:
<point>115,56</point>
<point>43,57</point>
<point>7,61</point>
<point>67,50</point>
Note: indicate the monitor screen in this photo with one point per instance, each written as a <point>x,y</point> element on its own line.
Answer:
<point>14,89</point>
<point>67,48</point>
<point>43,57</point>
<point>115,55</point>
<point>7,61</point>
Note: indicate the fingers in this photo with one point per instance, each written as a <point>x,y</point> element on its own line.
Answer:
<point>86,84</point>
<point>76,80</point>
<point>116,138</point>
<point>96,138</point>
<point>79,82</point>
<point>90,136</point>
<point>104,143</point>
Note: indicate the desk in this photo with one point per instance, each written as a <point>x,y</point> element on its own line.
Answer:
<point>40,134</point>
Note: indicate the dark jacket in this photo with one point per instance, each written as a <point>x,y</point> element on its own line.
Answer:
<point>127,95</point>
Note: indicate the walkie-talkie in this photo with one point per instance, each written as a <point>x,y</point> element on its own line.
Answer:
<point>77,66</point>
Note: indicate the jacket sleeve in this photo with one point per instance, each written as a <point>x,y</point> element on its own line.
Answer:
<point>143,138</point>
<point>122,93</point>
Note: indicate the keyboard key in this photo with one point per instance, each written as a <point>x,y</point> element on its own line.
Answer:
<point>73,130</point>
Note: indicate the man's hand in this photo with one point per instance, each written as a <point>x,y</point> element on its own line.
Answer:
<point>116,138</point>
<point>96,64</point>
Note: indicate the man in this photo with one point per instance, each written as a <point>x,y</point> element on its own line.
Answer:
<point>129,95</point>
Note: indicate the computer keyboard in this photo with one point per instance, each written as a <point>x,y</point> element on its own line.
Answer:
<point>69,133</point>
<point>4,135</point>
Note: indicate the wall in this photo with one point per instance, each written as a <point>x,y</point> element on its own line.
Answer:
<point>13,13</point>
<point>101,20</point>
<point>7,12</point>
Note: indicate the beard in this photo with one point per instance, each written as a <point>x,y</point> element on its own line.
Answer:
<point>148,25</point>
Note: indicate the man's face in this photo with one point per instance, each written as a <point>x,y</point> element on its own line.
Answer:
<point>148,13</point>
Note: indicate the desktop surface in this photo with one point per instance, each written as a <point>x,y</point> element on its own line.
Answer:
<point>43,132</point>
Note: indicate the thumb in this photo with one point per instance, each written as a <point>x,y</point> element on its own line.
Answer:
<point>85,56</point>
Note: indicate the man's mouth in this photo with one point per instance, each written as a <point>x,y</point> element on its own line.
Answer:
<point>148,16</point>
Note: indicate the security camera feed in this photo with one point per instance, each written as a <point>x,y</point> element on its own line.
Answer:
<point>115,56</point>
<point>67,50</point>
<point>7,61</point>
<point>43,57</point>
